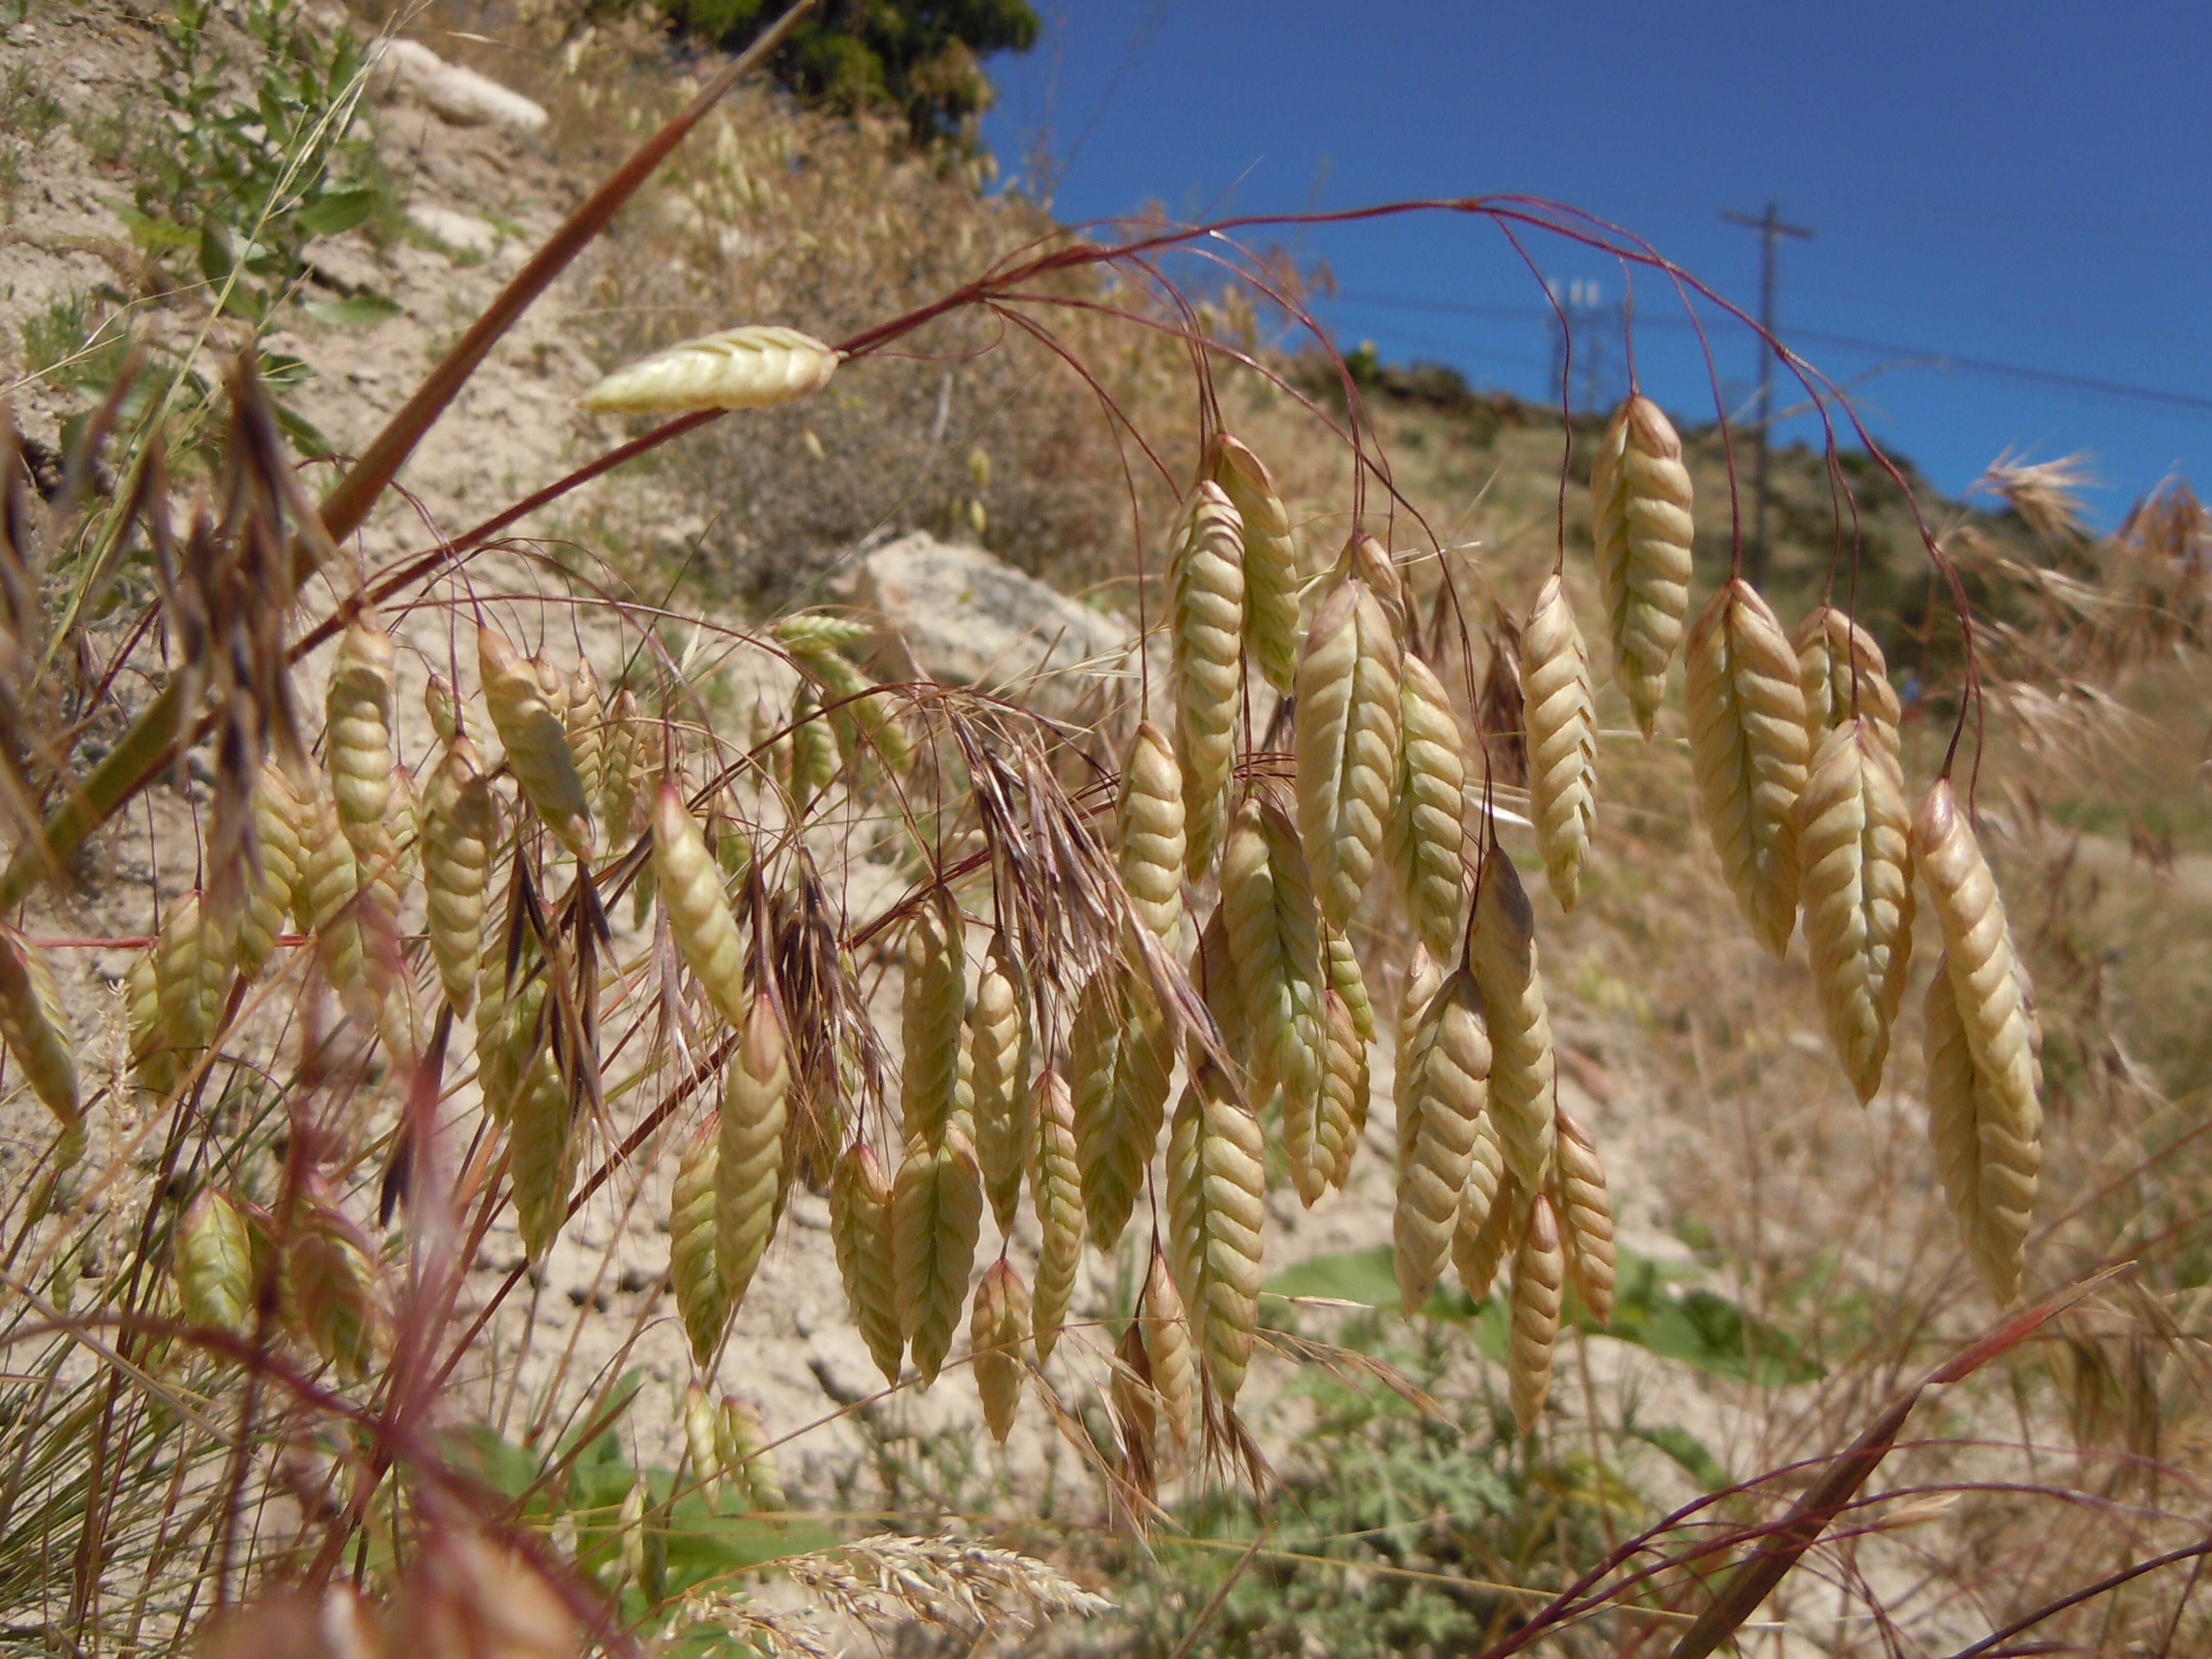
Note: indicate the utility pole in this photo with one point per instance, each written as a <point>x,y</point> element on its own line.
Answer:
<point>1771,230</point>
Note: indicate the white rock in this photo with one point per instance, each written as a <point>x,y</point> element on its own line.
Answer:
<point>458,96</point>
<point>456,229</point>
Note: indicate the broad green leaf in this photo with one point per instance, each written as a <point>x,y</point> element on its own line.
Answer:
<point>356,311</point>
<point>1687,1450</point>
<point>335,211</point>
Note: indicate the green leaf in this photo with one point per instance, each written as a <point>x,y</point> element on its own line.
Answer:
<point>1687,1450</point>
<point>1366,1277</point>
<point>355,311</point>
<point>335,211</point>
<point>215,258</point>
<point>306,436</point>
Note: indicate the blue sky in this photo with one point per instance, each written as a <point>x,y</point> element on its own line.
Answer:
<point>2028,184</point>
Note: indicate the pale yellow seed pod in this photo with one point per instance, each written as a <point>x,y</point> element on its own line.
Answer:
<point>1423,838</point>
<point>278,826</point>
<point>586,724</point>
<point>358,705</point>
<point>1419,984</point>
<point>536,736</point>
<point>1843,673</point>
<point>1056,1193</point>
<point>862,720</point>
<point>1148,845</point>
<point>1854,840</point>
<point>153,1061</point>
<point>701,1300</point>
<point>36,1029</point>
<point>934,992</point>
<point>1484,1230</point>
<point>343,914</point>
<point>813,747</point>
<point>1270,561</point>
<point>459,825</point>
<point>1522,1081</point>
<point>1584,1212</point>
<point>937,1212</point>
<point>542,1144</point>
<point>441,706</point>
<point>1215,976</point>
<point>1274,947</point>
<point>755,367</point>
<point>1173,1361</point>
<point>1120,1053</point>
<point>1445,1098</point>
<point>215,1266</point>
<point>622,768</point>
<point>1342,1116</point>
<point>1747,749</point>
<point>860,1229</point>
<point>699,914</point>
<point>996,1330</point>
<point>329,1283</point>
<point>1347,742</point>
<point>1216,1188</point>
<point>701,1422</point>
<point>1560,709</point>
<point>1206,585</point>
<point>1539,1270</point>
<point>394,870</point>
<point>999,1044</point>
<point>1347,982</point>
<point>1641,494</point>
<point>1989,1156</point>
<point>191,973</point>
<point>748,1456</point>
<point>756,1096</point>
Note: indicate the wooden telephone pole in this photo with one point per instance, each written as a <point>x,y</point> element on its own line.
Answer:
<point>1771,230</point>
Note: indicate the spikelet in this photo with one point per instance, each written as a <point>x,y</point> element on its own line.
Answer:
<point>699,915</point>
<point>1347,982</point>
<point>622,768</point>
<point>394,872</point>
<point>542,1144</point>
<point>1216,1188</point>
<point>813,747</point>
<point>36,1029</point>
<point>1854,841</point>
<point>358,705</point>
<point>999,1042</point>
<point>936,1211</point>
<point>443,709</point>
<point>1522,1081</point>
<point>748,1458</point>
<point>756,1103</point>
<point>1341,1117</point>
<point>1444,1102</point>
<point>1831,647</point>
<point>153,1062</point>
<point>459,825</point>
<point>279,825</point>
<point>1148,829</point>
<point>1346,742</point>
<point>995,1333</point>
<point>1486,1214</point>
<point>1584,1213</point>
<point>860,1229</point>
<point>1538,1273</point>
<point>1990,1170</point>
<point>1641,494</point>
<point>1422,839</point>
<point>1205,586</point>
<point>1056,1193</point>
<point>755,367</point>
<point>1747,749</point>
<point>1136,1423</point>
<point>1215,976</point>
<point>1270,561</point>
<point>536,736</point>
<point>701,1420</point>
<point>1274,948</point>
<point>1990,998</point>
<point>701,1300</point>
<point>215,1266</point>
<point>1120,1053</point>
<point>191,975</point>
<point>1167,1352</point>
<point>860,717</point>
<point>329,1284</point>
<point>342,916</point>
<point>933,993</point>
<point>1559,709</point>
<point>507,1023</point>
<point>586,722</point>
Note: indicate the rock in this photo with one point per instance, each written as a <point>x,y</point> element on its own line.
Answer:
<point>463,232</point>
<point>456,96</point>
<point>956,614</point>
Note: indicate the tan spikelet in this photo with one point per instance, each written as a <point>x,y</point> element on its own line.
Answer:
<point>861,1229</point>
<point>1129,1396</point>
<point>1346,979</point>
<point>153,1062</point>
<point>36,1029</point>
<point>1559,709</point>
<point>279,825</point>
<point>1538,1275</point>
<point>393,869</point>
<point>215,1265</point>
<point>623,768</point>
<point>330,1283</point>
<point>1274,948</point>
<point>755,367</point>
<point>1216,1194</point>
<point>442,707</point>
<point>1444,1102</point>
<point>1641,494</point>
<point>1120,1056</point>
<point>1484,1230</point>
<point>935,993</point>
<point>1423,836</point>
<point>704,1456</point>
<point>587,723</point>
<point>756,1106</point>
<point>813,747</point>
<point>1347,741</point>
<point>1056,1193</point>
<point>701,1300</point>
<point>1831,650</point>
<point>1990,1163</point>
<point>344,914</point>
<point>1522,1081</point>
<point>460,823</point>
<point>542,1147</point>
<point>192,960</point>
<point>1168,1351</point>
<point>699,915</point>
<point>748,1456</point>
<point>1747,749</point>
<point>358,705</point>
<point>1854,840</point>
<point>536,738</point>
<point>1584,1213</point>
<point>999,1042</point>
<point>1341,1117</point>
<point>1205,586</point>
<point>996,1331</point>
<point>1270,562</point>
<point>936,1211</point>
<point>1215,976</point>
<point>1148,824</point>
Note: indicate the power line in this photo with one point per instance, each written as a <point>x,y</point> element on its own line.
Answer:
<point>1771,230</point>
